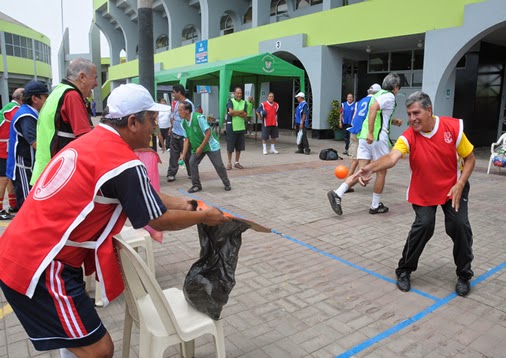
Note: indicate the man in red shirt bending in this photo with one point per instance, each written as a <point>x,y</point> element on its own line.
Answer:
<point>437,146</point>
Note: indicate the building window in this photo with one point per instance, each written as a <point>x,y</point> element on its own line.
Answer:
<point>226,25</point>
<point>20,46</point>
<point>162,41</point>
<point>278,7</point>
<point>248,15</point>
<point>305,3</point>
<point>190,34</point>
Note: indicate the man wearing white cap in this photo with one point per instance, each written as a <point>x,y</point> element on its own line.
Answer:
<point>81,200</point>
<point>302,122</point>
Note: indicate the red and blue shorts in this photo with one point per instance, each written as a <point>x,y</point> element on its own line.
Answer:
<point>60,314</point>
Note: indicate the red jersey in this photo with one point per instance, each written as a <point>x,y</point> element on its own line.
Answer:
<point>271,113</point>
<point>65,218</point>
<point>5,127</point>
<point>434,161</point>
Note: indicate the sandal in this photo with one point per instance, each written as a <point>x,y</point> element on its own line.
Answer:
<point>229,166</point>
<point>238,165</point>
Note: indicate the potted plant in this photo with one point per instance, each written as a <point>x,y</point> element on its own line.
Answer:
<point>334,120</point>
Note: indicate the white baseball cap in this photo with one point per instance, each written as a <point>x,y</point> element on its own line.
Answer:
<point>300,94</point>
<point>129,99</point>
<point>374,88</point>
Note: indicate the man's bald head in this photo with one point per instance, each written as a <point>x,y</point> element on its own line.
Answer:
<point>17,95</point>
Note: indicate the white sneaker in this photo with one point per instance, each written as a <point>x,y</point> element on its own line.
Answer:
<point>265,152</point>
<point>274,151</point>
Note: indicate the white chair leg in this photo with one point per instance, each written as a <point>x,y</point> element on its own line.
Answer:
<point>98,295</point>
<point>220,340</point>
<point>489,164</point>
<point>188,349</point>
<point>150,256</point>
<point>127,333</point>
<point>145,345</point>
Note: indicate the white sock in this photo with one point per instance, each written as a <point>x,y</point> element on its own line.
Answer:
<point>375,200</point>
<point>65,353</point>
<point>342,189</point>
<point>265,146</point>
<point>273,147</point>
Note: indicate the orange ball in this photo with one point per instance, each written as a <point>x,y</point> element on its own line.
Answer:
<point>341,171</point>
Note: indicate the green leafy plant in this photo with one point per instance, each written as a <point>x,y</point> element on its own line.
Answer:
<point>334,115</point>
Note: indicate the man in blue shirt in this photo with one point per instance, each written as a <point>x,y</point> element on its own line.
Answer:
<point>22,139</point>
<point>347,112</point>
<point>301,123</point>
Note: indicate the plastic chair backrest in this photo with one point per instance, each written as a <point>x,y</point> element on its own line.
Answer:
<point>139,282</point>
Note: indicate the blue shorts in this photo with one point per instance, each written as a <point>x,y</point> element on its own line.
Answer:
<point>60,314</point>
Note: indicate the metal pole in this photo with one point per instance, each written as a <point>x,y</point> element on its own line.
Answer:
<point>146,52</point>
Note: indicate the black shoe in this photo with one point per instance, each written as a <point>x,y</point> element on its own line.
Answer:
<point>194,189</point>
<point>335,202</point>
<point>350,190</point>
<point>403,282</point>
<point>299,151</point>
<point>463,287</point>
<point>13,210</point>
<point>227,188</point>
<point>171,178</point>
<point>381,209</point>
<point>307,152</point>
<point>5,216</point>
<point>189,176</point>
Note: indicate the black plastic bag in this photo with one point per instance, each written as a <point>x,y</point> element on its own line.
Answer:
<point>211,278</point>
<point>329,154</point>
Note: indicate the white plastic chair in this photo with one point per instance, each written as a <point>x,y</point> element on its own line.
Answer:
<point>135,238</point>
<point>494,148</point>
<point>164,317</point>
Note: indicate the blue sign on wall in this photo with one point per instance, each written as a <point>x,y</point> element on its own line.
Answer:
<point>201,52</point>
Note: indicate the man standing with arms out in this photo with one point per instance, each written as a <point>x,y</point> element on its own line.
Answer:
<point>373,143</point>
<point>164,125</point>
<point>22,139</point>
<point>436,146</point>
<point>302,122</point>
<point>347,112</point>
<point>359,115</point>
<point>101,183</point>
<point>200,138</point>
<point>236,128</point>
<point>6,115</point>
<point>178,134</point>
<point>268,114</point>
<point>64,117</point>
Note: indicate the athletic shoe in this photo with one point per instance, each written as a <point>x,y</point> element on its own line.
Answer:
<point>227,188</point>
<point>345,153</point>
<point>171,178</point>
<point>335,202</point>
<point>194,189</point>
<point>273,151</point>
<point>12,210</point>
<point>5,215</point>
<point>381,209</point>
<point>265,151</point>
<point>299,152</point>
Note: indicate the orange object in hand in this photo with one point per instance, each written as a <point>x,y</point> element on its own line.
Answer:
<point>341,171</point>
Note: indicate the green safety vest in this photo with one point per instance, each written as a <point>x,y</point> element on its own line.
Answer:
<point>249,109</point>
<point>194,132</point>
<point>46,129</point>
<point>238,123</point>
<point>378,121</point>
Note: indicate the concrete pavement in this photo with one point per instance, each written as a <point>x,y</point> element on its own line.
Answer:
<point>322,285</point>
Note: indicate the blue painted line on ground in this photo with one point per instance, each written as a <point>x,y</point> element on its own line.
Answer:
<point>375,274</point>
<point>331,256</point>
<point>406,323</point>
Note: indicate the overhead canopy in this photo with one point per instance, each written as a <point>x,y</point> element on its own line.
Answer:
<point>254,69</point>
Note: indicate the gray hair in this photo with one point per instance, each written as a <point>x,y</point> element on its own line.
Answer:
<point>18,94</point>
<point>391,81</point>
<point>419,97</point>
<point>123,121</point>
<point>77,66</point>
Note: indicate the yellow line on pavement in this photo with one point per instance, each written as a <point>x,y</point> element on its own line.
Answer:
<point>5,310</point>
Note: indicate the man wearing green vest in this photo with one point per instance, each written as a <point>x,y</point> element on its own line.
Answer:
<point>374,142</point>
<point>236,128</point>
<point>249,113</point>
<point>64,116</point>
<point>203,142</point>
